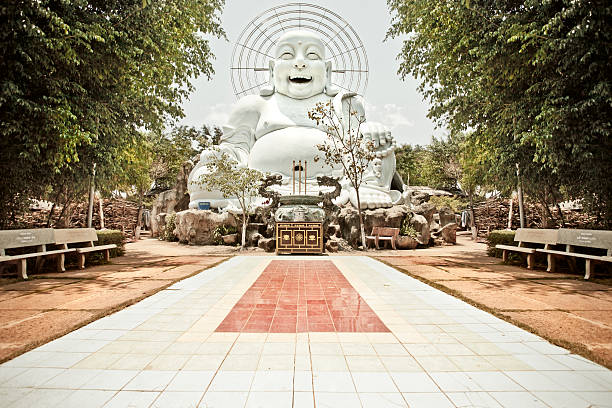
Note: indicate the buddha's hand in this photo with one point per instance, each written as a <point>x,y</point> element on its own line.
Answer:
<point>379,134</point>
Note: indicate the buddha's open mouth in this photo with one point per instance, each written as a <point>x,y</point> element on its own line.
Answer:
<point>300,79</point>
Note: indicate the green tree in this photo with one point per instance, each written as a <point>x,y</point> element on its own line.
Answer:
<point>530,79</point>
<point>81,79</point>
<point>233,181</point>
<point>171,149</point>
<point>435,165</point>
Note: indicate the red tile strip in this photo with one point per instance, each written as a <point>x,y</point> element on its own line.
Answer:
<point>301,296</point>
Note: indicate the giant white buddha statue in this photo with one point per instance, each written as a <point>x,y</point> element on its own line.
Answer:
<point>270,131</point>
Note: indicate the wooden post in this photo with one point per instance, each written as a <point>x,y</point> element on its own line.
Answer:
<point>305,169</point>
<point>294,177</point>
<point>300,177</point>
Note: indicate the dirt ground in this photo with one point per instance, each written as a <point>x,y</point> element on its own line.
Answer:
<point>560,307</point>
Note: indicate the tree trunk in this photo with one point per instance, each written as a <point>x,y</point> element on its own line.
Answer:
<point>361,228</point>
<point>244,229</point>
<point>50,215</point>
<point>519,190</point>
<point>510,212</point>
<point>92,190</point>
<point>100,201</point>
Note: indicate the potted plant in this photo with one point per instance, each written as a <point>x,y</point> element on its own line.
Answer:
<point>407,237</point>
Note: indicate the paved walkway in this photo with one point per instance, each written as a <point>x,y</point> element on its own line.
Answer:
<point>384,340</point>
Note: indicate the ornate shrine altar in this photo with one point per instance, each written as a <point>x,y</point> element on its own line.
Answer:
<point>299,237</point>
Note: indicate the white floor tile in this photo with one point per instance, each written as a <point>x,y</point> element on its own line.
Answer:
<point>303,399</point>
<point>429,400</point>
<point>337,399</point>
<point>269,399</point>
<point>110,380</point>
<point>302,381</point>
<point>191,381</point>
<point>332,381</point>
<point>455,382</point>
<point>232,381</point>
<point>414,382</point>
<point>382,400</point>
<point>223,399</point>
<point>33,377</point>
<point>373,382</point>
<point>150,381</point>
<point>517,399</point>
<point>178,399</point>
<point>534,381</point>
<point>272,381</point>
<point>87,398</point>
<point>473,399</point>
<point>560,399</point>
<point>494,381</point>
<point>132,399</point>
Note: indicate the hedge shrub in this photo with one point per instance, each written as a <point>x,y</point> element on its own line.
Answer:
<point>106,237</point>
<point>497,237</point>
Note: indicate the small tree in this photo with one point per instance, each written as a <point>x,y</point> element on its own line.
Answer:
<point>233,180</point>
<point>347,146</point>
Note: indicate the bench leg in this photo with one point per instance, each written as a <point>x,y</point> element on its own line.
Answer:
<point>588,270</point>
<point>530,261</point>
<point>504,256</point>
<point>81,261</point>
<point>376,242</point>
<point>22,269</point>
<point>393,243</point>
<point>61,258</point>
<point>552,263</point>
<point>107,255</point>
<point>571,261</point>
<point>39,263</point>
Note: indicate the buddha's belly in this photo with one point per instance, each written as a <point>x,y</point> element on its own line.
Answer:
<point>276,151</point>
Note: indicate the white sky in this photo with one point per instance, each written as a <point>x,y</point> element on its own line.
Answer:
<point>393,102</point>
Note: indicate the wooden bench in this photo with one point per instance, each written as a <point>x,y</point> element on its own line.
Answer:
<point>36,239</point>
<point>529,236</point>
<point>574,239</point>
<point>87,236</point>
<point>386,234</point>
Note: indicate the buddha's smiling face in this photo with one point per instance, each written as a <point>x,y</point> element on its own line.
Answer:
<point>300,70</point>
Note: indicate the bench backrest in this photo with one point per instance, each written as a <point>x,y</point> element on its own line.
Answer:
<point>73,235</point>
<point>385,231</point>
<point>537,236</point>
<point>25,237</point>
<point>586,238</point>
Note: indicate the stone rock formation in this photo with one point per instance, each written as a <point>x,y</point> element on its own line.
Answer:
<point>195,227</point>
<point>448,233</point>
<point>173,200</point>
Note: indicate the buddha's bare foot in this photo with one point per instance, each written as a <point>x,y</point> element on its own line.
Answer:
<point>371,198</point>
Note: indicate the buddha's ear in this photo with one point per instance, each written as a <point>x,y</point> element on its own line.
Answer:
<point>330,90</point>
<point>268,89</point>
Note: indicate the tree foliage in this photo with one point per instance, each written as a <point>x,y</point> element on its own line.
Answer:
<point>528,79</point>
<point>437,165</point>
<point>82,78</point>
<point>172,148</point>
